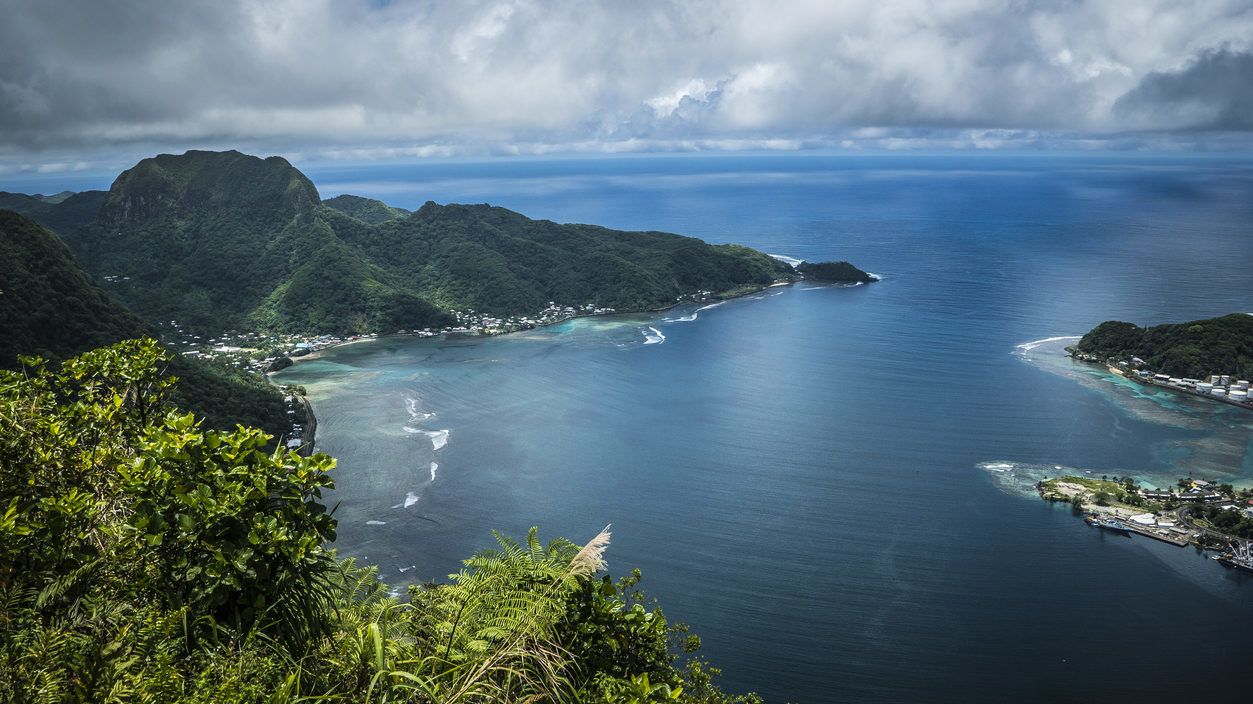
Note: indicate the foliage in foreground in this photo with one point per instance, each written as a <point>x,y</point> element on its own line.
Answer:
<point>144,559</point>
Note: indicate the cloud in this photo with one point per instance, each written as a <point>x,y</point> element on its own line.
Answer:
<point>337,77</point>
<point>1213,92</point>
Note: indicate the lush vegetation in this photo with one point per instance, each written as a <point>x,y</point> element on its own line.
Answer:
<point>221,241</point>
<point>1231,521</point>
<point>495,260</point>
<point>50,307</point>
<point>834,272</point>
<point>63,212</point>
<point>366,210</point>
<point>146,559</point>
<point>1195,349</point>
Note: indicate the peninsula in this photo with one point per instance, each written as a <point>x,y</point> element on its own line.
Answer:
<point>1211,358</point>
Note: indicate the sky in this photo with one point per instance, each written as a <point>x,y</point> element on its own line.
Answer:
<point>93,83</point>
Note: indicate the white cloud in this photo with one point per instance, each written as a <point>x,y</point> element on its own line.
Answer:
<point>521,76</point>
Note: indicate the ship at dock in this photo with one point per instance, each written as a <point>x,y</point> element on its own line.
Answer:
<point>1110,524</point>
<point>1239,558</point>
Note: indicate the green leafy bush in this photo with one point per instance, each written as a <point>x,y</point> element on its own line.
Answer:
<point>146,559</point>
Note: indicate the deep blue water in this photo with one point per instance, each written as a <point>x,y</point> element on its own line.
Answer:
<point>797,474</point>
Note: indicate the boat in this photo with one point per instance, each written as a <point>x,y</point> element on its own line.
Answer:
<point>1111,524</point>
<point>1239,558</point>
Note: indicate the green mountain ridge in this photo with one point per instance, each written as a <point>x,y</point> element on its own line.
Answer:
<point>1195,349</point>
<point>366,210</point>
<point>49,307</point>
<point>226,241</point>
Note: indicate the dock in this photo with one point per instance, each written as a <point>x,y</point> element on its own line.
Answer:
<point>1177,541</point>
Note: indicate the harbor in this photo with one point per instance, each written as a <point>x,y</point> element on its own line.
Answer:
<point>1121,507</point>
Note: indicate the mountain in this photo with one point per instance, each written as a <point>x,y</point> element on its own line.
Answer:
<point>49,307</point>
<point>1194,349</point>
<point>366,210</point>
<point>222,240</point>
<point>498,261</point>
<point>63,212</point>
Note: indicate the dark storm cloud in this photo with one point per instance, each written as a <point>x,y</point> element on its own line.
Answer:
<point>361,78</point>
<point>1214,92</point>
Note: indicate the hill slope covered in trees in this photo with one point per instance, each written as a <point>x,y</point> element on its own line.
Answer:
<point>223,240</point>
<point>1194,349</point>
<point>49,307</point>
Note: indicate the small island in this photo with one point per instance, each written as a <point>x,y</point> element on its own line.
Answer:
<point>834,273</point>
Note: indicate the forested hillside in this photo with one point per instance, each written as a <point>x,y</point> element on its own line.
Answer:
<point>495,260</point>
<point>366,210</point>
<point>834,272</point>
<point>1194,349</point>
<point>49,307</point>
<point>222,240</point>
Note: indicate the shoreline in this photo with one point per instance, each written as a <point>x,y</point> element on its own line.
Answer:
<point>1142,381</point>
<point>316,354</point>
<point>311,422</point>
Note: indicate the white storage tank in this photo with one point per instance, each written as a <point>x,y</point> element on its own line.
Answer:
<point>1225,380</point>
<point>1204,387</point>
<point>1214,379</point>
<point>1242,385</point>
<point>1218,391</point>
<point>1238,395</point>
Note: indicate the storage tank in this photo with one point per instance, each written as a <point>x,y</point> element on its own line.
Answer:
<point>1238,395</point>
<point>1204,387</point>
<point>1218,391</point>
<point>1225,380</point>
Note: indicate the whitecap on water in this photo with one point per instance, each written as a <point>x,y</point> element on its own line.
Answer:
<point>434,466</point>
<point>376,523</point>
<point>411,407</point>
<point>788,260</point>
<point>656,338</point>
<point>1026,346</point>
<point>439,438</point>
<point>410,499</point>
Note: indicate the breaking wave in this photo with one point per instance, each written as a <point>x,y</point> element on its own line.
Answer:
<point>1036,343</point>
<point>439,438</point>
<point>689,317</point>
<point>793,261</point>
<point>656,338</point>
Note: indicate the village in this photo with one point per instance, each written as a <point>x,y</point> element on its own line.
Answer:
<point>261,353</point>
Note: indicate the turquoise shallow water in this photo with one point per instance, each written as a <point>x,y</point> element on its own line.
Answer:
<point>798,473</point>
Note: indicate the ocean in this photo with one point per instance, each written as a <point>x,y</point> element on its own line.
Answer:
<point>812,476</point>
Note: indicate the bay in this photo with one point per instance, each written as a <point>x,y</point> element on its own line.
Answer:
<point>797,473</point>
